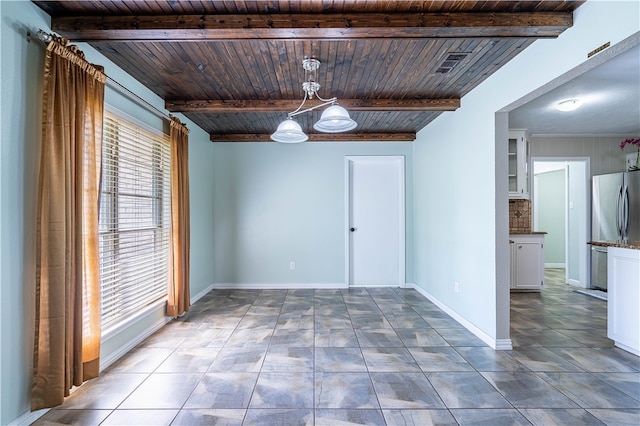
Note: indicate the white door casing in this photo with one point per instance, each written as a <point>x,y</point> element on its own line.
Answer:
<point>375,209</point>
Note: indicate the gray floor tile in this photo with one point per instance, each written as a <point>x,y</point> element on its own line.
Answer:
<point>208,337</point>
<point>617,417</point>
<point>628,383</point>
<point>598,360</point>
<point>283,390</point>
<point>162,391</point>
<point>333,417</point>
<point>239,359</point>
<point>223,390</point>
<point>440,359</point>
<point>589,391</point>
<point>490,417</point>
<point>333,360</point>
<point>405,390</point>
<point>337,321</point>
<point>140,417</point>
<point>460,337</point>
<point>378,338</point>
<point>487,359</point>
<point>543,359</point>
<point>390,360</point>
<point>336,338</point>
<point>466,390</point>
<point>141,360</point>
<point>250,337</point>
<point>258,321</point>
<point>190,359</point>
<point>270,416</point>
<point>527,390</point>
<point>292,337</point>
<point>369,321</point>
<point>295,322</point>
<point>345,390</point>
<point>112,388</point>
<point>209,417</point>
<point>288,359</point>
<point>418,417</point>
<point>420,337</point>
<point>72,417</point>
<point>560,416</point>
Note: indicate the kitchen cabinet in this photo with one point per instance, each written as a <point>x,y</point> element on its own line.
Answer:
<point>623,298</point>
<point>527,261</point>
<point>518,164</point>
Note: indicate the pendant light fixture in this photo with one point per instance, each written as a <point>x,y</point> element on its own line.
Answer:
<point>334,119</point>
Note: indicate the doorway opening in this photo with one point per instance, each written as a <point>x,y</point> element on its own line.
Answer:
<point>560,204</point>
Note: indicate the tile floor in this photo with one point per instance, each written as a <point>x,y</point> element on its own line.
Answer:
<point>365,356</point>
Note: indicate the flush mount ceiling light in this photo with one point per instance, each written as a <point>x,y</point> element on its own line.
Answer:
<point>569,105</point>
<point>334,119</point>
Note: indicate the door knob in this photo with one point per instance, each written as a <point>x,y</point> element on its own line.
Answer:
<point>352,229</point>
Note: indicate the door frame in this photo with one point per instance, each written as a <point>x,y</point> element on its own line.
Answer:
<point>400,161</point>
<point>584,220</point>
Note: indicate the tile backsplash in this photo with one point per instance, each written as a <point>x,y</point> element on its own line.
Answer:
<point>519,216</point>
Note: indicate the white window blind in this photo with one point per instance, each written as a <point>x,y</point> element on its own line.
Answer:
<point>135,208</point>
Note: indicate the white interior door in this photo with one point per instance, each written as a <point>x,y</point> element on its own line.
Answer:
<point>375,221</point>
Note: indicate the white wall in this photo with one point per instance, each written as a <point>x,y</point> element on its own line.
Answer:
<point>21,71</point>
<point>276,203</point>
<point>461,227</point>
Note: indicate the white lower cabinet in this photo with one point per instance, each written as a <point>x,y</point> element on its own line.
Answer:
<point>623,306</point>
<point>527,261</point>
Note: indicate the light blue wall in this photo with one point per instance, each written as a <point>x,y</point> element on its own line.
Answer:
<point>551,208</point>
<point>276,203</point>
<point>21,71</point>
<point>21,90</point>
<point>579,197</point>
<point>460,164</point>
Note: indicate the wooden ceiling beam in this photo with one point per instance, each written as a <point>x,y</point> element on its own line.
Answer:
<point>230,106</point>
<point>312,26</point>
<point>319,137</point>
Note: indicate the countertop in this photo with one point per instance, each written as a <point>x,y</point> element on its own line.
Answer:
<point>634,245</point>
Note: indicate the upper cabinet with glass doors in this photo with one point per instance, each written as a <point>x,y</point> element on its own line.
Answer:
<point>518,164</point>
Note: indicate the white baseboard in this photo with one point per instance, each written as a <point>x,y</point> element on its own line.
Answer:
<point>576,283</point>
<point>555,265</point>
<point>123,350</point>
<point>497,344</point>
<point>29,417</point>
<point>503,345</point>
<point>200,295</point>
<point>278,286</point>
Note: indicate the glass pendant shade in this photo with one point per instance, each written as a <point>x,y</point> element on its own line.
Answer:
<point>335,119</point>
<point>289,132</point>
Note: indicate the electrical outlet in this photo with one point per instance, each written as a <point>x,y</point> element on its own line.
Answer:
<point>456,286</point>
<point>292,265</point>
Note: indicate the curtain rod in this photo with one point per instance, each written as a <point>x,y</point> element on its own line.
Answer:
<point>46,37</point>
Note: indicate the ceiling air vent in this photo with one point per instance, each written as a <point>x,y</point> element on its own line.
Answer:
<point>450,62</point>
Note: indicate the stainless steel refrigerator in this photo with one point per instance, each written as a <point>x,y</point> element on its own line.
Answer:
<point>615,216</point>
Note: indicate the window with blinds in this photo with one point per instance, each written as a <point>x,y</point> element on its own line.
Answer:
<point>135,208</point>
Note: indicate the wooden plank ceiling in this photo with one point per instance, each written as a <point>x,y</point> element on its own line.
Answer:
<point>235,67</point>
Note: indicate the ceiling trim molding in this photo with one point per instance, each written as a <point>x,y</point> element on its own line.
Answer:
<point>319,137</point>
<point>281,105</point>
<point>337,26</point>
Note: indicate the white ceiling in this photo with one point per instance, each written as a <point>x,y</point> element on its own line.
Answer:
<point>611,102</point>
